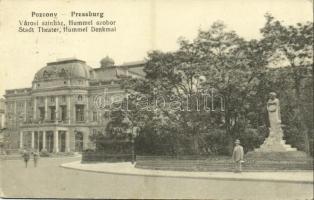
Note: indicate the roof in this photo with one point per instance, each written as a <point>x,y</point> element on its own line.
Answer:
<point>134,63</point>
<point>71,68</point>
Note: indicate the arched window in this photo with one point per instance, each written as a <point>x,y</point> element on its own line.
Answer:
<point>63,73</point>
<point>45,74</point>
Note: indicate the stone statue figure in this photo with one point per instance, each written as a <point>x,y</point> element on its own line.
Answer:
<point>273,108</point>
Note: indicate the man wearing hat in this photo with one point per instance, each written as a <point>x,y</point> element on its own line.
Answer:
<point>237,156</point>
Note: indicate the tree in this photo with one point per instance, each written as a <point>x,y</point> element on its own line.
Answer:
<point>217,60</point>
<point>232,66</point>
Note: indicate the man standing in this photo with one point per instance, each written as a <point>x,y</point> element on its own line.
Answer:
<point>35,156</point>
<point>237,156</point>
<point>26,157</point>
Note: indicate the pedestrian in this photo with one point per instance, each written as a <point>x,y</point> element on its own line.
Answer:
<point>26,157</point>
<point>237,156</point>
<point>35,157</point>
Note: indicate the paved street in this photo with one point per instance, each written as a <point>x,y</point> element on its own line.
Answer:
<point>50,180</point>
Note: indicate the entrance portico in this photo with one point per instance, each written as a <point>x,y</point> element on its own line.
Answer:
<point>51,140</point>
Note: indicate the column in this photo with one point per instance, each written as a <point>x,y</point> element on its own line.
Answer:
<point>56,141</point>
<point>67,141</point>
<point>69,109</point>
<point>16,123</point>
<point>44,140</point>
<point>57,109</point>
<point>33,140</point>
<point>46,108</point>
<point>21,139</point>
<point>35,109</point>
<point>38,138</point>
<point>15,109</point>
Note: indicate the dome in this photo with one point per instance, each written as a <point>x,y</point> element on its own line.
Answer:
<point>64,69</point>
<point>106,62</point>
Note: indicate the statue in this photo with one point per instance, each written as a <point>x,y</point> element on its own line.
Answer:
<point>274,142</point>
<point>273,108</point>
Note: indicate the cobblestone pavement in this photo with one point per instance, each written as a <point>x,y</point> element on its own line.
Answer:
<point>50,180</point>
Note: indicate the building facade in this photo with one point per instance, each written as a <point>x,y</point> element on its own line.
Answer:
<point>58,113</point>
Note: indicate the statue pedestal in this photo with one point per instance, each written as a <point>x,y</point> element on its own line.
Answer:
<point>275,143</point>
<point>275,148</point>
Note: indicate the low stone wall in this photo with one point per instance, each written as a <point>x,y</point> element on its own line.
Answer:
<point>219,164</point>
<point>91,156</point>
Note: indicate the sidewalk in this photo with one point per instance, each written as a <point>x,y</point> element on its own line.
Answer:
<point>127,168</point>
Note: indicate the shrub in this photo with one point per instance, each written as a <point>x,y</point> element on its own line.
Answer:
<point>253,138</point>
<point>217,142</point>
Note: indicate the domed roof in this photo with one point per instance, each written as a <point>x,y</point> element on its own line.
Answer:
<point>107,62</point>
<point>64,69</point>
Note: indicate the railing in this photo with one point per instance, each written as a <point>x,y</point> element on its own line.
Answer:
<point>18,91</point>
<point>46,121</point>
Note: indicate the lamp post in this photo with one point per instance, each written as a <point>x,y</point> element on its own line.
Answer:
<point>132,131</point>
<point>133,152</point>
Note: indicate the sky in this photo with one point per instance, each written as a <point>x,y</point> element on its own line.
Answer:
<point>142,26</point>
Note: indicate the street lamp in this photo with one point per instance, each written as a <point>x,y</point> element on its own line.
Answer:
<point>130,130</point>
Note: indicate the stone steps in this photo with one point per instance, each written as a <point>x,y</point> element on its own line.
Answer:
<point>270,145</point>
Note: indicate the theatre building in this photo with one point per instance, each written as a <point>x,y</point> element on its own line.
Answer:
<point>58,113</point>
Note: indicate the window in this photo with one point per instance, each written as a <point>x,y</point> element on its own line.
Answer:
<point>106,115</point>
<point>41,113</point>
<point>45,74</point>
<point>63,73</point>
<point>63,113</point>
<point>52,99</point>
<point>94,131</point>
<point>41,99</point>
<point>79,111</point>
<point>63,98</point>
<point>80,98</point>
<point>94,116</point>
<point>53,113</point>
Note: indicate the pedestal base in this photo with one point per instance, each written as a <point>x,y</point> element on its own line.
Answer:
<point>275,149</point>
<point>271,145</point>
